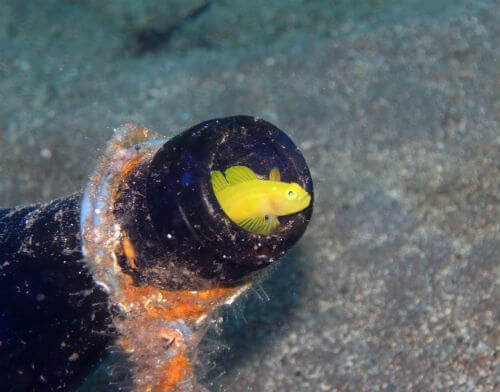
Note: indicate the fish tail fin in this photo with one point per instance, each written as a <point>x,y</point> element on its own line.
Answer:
<point>218,181</point>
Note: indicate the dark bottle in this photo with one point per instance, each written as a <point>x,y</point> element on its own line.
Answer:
<point>149,215</point>
<point>53,318</point>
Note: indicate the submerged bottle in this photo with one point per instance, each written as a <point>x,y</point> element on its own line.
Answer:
<point>143,257</point>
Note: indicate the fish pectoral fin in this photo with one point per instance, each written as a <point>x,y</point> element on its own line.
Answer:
<point>218,181</point>
<point>274,174</point>
<point>238,174</point>
<point>272,222</point>
<point>260,225</point>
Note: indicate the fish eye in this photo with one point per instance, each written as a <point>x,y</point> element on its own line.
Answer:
<point>291,194</point>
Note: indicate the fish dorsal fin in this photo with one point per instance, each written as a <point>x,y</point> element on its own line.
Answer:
<point>260,224</point>
<point>238,174</point>
<point>218,181</point>
<point>274,174</point>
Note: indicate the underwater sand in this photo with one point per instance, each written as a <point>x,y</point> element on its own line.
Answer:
<point>396,106</point>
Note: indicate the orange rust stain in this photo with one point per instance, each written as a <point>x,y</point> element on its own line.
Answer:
<point>175,371</point>
<point>215,293</point>
<point>130,165</point>
<point>180,311</point>
<point>175,304</point>
<point>129,252</point>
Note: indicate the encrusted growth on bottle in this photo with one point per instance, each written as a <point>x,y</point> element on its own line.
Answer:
<point>159,329</point>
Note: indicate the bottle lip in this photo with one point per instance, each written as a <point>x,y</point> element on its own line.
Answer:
<point>214,241</point>
<point>288,159</point>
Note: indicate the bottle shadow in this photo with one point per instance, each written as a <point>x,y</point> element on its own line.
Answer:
<point>259,317</point>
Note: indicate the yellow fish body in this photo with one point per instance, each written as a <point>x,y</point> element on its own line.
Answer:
<point>255,204</point>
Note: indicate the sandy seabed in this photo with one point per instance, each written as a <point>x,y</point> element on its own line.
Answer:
<point>396,107</point>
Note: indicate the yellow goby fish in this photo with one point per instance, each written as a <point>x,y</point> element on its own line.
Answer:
<point>255,204</point>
